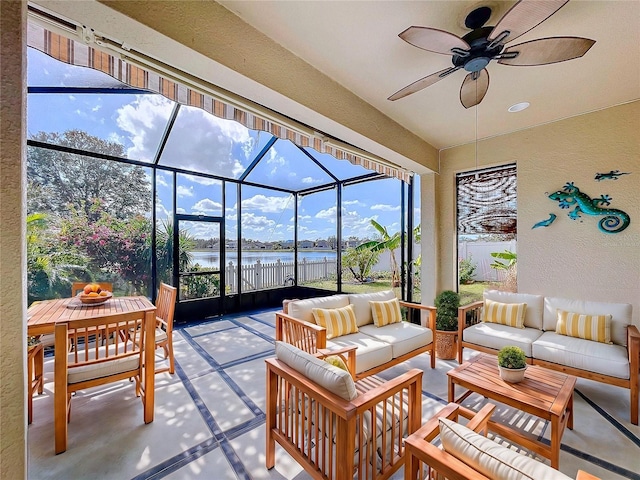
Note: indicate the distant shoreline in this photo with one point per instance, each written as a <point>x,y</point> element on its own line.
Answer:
<point>254,250</point>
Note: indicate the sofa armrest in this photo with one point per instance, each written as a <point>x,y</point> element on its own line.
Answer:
<point>303,335</point>
<point>347,354</point>
<point>431,321</point>
<point>471,312</point>
<point>633,343</point>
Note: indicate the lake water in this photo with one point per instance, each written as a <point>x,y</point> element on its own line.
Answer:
<point>212,260</point>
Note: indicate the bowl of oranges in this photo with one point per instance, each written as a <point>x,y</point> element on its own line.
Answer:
<point>92,294</point>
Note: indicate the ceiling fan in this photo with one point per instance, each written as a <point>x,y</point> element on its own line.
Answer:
<point>475,50</point>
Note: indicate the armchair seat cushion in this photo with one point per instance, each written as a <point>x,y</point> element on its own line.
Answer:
<point>587,355</point>
<point>490,458</point>
<point>370,352</point>
<point>403,337</point>
<point>493,335</point>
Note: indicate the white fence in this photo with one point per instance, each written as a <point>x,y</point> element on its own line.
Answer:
<point>258,276</point>
<point>480,254</point>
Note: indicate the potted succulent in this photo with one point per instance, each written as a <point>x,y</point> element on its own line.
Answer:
<point>447,303</point>
<point>512,362</point>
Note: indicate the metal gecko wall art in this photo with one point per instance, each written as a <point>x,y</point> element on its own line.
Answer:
<point>614,220</point>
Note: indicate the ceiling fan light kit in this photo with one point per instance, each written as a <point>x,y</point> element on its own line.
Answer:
<point>474,51</point>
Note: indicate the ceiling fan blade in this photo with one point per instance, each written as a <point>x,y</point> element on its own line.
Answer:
<point>433,40</point>
<point>547,50</point>
<point>473,91</point>
<point>422,83</point>
<point>523,16</point>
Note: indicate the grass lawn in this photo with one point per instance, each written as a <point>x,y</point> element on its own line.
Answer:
<point>472,292</point>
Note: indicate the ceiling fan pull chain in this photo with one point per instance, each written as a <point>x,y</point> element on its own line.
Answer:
<point>499,39</point>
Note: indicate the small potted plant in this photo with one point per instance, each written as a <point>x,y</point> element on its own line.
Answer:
<point>512,363</point>
<point>447,303</point>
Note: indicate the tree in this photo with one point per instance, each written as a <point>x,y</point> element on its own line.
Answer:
<point>385,242</point>
<point>164,251</point>
<point>60,180</point>
<point>359,262</point>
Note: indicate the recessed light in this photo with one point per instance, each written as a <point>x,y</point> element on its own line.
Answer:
<point>518,107</point>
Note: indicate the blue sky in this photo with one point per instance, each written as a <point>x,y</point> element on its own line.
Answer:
<point>203,143</point>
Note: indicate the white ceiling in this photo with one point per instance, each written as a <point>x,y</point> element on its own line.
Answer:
<point>356,43</point>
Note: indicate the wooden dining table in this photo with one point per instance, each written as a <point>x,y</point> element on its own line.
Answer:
<point>43,316</point>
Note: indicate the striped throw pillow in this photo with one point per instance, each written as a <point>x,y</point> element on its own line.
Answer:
<point>588,327</point>
<point>385,312</point>
<point>510,314</point>
<point>337,321</point>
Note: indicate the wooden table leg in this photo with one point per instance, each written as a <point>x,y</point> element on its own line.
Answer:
<point>555,442</point>
<point>149,366</point>
<point>35,367</point>
<point>570,408</point>
<point>39,369</point>
<point>452,390</point>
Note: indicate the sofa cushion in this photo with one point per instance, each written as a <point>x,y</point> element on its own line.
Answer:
<point>586,355</point>
<point>620,314</point>
<point>302,309</point>
<point>535,305</point>
<point>370,352</point>
<point>337,321</point>
<point>332,378</point>
<point>360,302</point>
<point>510,314</point>
<point>493,335</point>
<point>385,312</point>
<point>589,327</point>
<point>490,458</point>
<point>403,337</point>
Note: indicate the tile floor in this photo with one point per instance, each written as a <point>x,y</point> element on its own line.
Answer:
<point>209,417</point>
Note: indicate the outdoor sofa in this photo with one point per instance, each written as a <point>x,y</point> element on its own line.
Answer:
<point>379,347</point>
<point>593,340</point>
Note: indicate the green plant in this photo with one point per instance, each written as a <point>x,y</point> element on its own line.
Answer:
<point>447,303</point>
<point>466,270</point>
<point>384,243</point>
<point>512,357</point>
<point>510,257</point>
<point>359,262</point>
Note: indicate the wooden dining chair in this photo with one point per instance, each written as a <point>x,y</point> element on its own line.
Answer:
<point>165,307</point>
<point>79,286</point>
<point>91,364</point>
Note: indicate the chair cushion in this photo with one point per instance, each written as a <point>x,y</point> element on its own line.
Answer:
<point>331,378</point>
<point>620,315</point>
<point>493,335</point>
<point>302,309</point>
<point>403,337</point>
<point>510,314</point>
<point>360,302</point>
<point>385,312</point>
<point>337,321</point>
<point>586,355</point>
<point>589,327</point>
<point>490,458</point>
<point>535,305</point>
<point>81,373</point>
<point>161,335</point>
<point>370,353</point>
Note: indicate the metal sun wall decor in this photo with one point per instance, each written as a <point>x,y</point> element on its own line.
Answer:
<point>614,220</point>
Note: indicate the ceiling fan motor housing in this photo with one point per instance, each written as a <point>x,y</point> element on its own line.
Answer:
<point>479,54</point>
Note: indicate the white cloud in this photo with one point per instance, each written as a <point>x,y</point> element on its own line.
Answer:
<point>310,180</point>
<point>180,210</point>
<point>385,208</point>
<point>256,223</point>
<point>96,108</point>
<point>161,212</point>
<point>353,202</point>
<point>266,204</point>
<point>328,214</point>
<point>202,180</point>
<point>207,206</point>
<point>161,181</point>
<point>184,191</point>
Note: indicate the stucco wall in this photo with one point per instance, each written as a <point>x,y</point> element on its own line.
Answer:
<point>569,258</point>
<point>13,422</point>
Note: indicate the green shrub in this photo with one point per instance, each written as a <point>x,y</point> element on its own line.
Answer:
<point>447,303</point>
<point>512,357</point>
<point>466,270</point>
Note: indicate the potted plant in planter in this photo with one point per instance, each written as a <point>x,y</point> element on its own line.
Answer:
<point>512,362</point>
<point>447,303</point>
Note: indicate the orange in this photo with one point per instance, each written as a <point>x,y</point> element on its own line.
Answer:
<point>93,294</point>
<point>104,293</point>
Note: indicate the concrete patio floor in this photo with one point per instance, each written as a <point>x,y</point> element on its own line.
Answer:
<point>209,416</point>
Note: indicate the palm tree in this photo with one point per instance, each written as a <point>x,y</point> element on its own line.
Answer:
<point>385,242</point>
<point>164,250</point>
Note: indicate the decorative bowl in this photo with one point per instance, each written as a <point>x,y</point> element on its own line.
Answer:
<point>93,300</point>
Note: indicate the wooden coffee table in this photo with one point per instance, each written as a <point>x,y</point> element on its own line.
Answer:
<point>544,393</point>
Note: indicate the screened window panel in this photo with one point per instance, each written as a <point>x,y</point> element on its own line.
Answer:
<point>487,201</point>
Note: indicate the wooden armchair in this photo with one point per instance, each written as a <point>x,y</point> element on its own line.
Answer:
<point>331,434</point>
<point>91,364</point>
<point>446,463</point>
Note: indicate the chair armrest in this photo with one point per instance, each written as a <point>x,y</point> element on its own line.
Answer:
<point>347,354</point>
<point>411,379</point>
<point>431,321</point>
<point>582,475</point>
<point>303,335</point>
<point>633,346</point>
<point>475,307</point>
